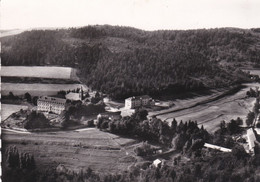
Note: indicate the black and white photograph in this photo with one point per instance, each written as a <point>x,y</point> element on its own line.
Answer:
<point>130,90</point>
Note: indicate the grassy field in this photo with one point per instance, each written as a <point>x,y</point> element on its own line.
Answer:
<point>38,71</point>
<point>38,80</point>
<point>8,109</point>
<point>7,79</point>
<point>37,89</point>
<point>210,114</point>
<point>103,152</point>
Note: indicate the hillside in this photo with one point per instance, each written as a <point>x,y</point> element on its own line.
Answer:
<point>124,61</point>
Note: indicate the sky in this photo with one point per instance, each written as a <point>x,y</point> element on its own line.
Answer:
<point>143,14</point>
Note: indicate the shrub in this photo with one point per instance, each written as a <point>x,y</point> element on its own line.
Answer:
<point>28,97</point>
<point>90,123</point>
<point>36,120</point>
<point>144,150</point>
<point>250,118</point>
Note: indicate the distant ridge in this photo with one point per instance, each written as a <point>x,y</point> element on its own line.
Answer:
<point>124,61</point>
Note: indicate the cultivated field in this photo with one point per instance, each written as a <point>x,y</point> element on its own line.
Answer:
<point>39,72</point>
<point>8,109</point>
<point>103,152</point>
<point>37,89</point>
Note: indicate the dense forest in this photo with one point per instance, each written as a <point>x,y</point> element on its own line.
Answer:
<point>124,61</point>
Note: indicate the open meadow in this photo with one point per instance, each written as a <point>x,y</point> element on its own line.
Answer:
<point>39,72</point>
<point>37,89</point>
<point>210,114</point>
<point>101,151</point>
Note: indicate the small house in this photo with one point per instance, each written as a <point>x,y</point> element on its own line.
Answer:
<point>157,163</point>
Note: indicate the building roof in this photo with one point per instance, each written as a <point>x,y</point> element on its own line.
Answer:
<point>73,96</point>
<point>156,162</point>
<point>251,138</point>
<point>139,97</point>
<point>52,99</point>
<point>216,147</point>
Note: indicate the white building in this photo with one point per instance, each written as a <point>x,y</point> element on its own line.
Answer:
<point>251,140</point>
<point>51,104</point>
<point>157,163</point>
<point>216,147</point>
<point>138,101</point>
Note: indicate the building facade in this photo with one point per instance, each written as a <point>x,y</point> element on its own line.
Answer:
<point>135,102</point>
<point>51,104</point>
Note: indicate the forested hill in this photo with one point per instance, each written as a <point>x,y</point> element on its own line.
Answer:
<point>124,61</point>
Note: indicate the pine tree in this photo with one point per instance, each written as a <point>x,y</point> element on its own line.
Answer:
<point>13,157</point>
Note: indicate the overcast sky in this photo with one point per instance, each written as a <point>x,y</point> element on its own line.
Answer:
<point>144,14</point>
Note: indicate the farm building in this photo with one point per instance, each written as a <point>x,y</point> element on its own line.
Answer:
<point>158,163</point>
<point>51,104</point>
<point>251,140</point>
<point>216,147</point>
<point>138,101</point>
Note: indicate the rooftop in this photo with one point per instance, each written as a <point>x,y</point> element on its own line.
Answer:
<point>251,138</point>
<point>223,149</point>
<point>52,99</point>
<point>73,96</point>
<point>140,97</point>
<point>157,161</point>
